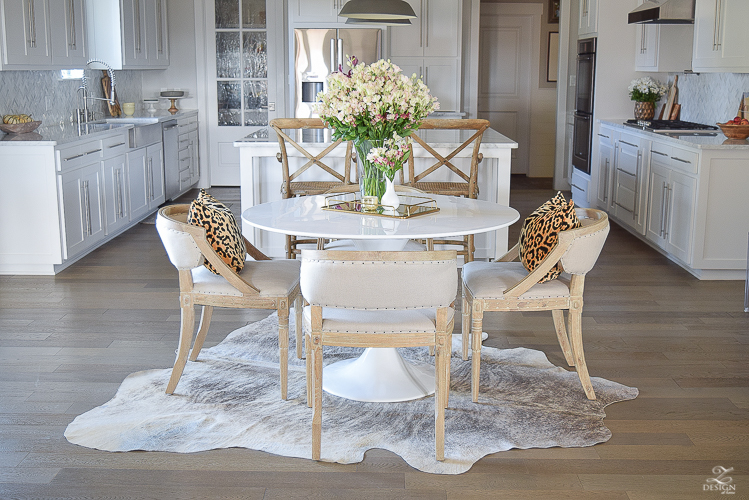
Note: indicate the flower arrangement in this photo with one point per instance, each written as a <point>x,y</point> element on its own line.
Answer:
<point>646,90</point>
<point>374,102</point>
<point>390,157</point>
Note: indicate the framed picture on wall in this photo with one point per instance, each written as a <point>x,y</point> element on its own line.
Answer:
<point>554,11</point>
<point>552,57</point>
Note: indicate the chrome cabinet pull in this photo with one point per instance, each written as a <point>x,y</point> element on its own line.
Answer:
<point>159,29</point>
<point>629,144</point>
<point>426,31</point>
<point>71,24</point>
<point>602,135</point>
<point>32,25</point>
<point>606,182</point>
<point>116,145</point>
<point>719,41</point>
<point>679,159</point>
<point>92,152</point>
<point>663,210</point>
<point>150,176</point>
<point>421,24</point>
<point>667,211</point>
<point>119,196</point>
<point>637,185</point>
<point>87,204</point>
<point>715,27</point>
<point>136,20</point>
<point>659,153</point>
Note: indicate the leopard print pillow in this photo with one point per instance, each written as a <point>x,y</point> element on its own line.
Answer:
<point>540,233</point>
<point>221,230</point>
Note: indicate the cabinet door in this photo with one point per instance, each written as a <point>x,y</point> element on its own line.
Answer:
<point>605,166</point>
<point>721,36</point>
<point>442,76</point>
<point>155,169</point>
<point>134,47</point>
<point>139,193</point>
<point>646,51</point>
<point>194,159</point>
<point>588,17</point>
<point>441,20</point>
<point>314,11</point>
<point>408,41</point>
<point>628,205</point>
<point>156,34</point>
<point>68,30</point>
<point>657,189</point>
<point>115,193</point>
<point>680,218</point>
<point>82,195</point>
<point>25,33</point>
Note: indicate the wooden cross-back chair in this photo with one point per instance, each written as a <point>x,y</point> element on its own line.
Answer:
<point>293,185</point>
<point>262,284</point>
<point>505,285</point>
<point>466,184</point>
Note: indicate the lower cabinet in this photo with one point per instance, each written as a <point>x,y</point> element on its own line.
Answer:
<point>145,180</point>
<point>116,198</point>
<point>606,157</point>
<point>628,203</point>
<point>83,208</point>
<point>671,217</point>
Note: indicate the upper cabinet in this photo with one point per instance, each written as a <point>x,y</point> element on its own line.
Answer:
<point>435,31</point>
<point>721,36</point>
<point>129,34</point>
<point>316,11</point>
<point>663,47</point>
<point>43,34</point>
<point>588,18</point>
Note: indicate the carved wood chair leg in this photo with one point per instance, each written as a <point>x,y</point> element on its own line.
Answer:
<point>308,366</point>
<point>576,336</point>
<point>289,248</point>
<point>185,339</point>
<point>283,345</point>
<point>205,323</point>
<point>558,317</point>
<point>317,400</point>
<point>477,320</point>
<point>440,402</point>
<point>465,331</point>
<point>298,320</point>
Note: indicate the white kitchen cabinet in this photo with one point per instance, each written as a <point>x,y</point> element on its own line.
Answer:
<point>82,191</point>
<point>128,34</point>
<point>117,212</point>
<point>606,158</point>
<point>663,47</point>
<point>316,11</point>
<point>68,33</point>
<point>629,181</point>
<point>145,180</point>
<point>435,31</point>
<point>721,36</point>
<point>440,74</point>
<point>155,164</point>
<point>189,162</point>
<point>588,25</point>
<point>671,216</point>
<point>25,33</point>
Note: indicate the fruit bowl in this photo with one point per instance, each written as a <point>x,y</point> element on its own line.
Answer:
<point>19,128</point>
<point>734,131</point>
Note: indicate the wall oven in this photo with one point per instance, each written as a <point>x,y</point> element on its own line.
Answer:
<point>583,119</point>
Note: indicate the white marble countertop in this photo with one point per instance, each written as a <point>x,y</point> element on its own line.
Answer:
<point>58,134</point>
<point>718,141</point>
<point>439,138</point>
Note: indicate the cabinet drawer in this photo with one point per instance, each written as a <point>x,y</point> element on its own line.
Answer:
<point>113,146</point>
<point>684,160</point>
<point>76,156</point>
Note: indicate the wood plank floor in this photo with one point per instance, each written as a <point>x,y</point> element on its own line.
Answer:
<point>66,343</point>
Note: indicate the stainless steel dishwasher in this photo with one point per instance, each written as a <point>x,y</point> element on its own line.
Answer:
<point>171,158</point>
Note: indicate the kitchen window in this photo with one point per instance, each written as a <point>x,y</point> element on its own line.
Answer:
<point>241,63</point>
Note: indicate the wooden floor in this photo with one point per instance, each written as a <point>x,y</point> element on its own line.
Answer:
<point>66,343</point>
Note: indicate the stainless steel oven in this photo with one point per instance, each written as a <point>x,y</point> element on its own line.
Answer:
<point>584,93</point>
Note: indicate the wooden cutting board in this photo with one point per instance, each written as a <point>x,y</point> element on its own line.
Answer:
<point>114,109</point>
<point>671,99</point>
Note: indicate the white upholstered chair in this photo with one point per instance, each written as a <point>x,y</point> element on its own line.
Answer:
<point>378,299</point>
<point>507,286</point>
<point>262,284</point>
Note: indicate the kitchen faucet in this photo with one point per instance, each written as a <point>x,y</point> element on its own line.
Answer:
<point>84,87</point>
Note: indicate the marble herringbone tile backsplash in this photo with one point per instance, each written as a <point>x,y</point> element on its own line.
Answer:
<point>710,97</point>
<point>46,97</point>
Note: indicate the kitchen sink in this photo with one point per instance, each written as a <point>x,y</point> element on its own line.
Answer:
<point>136,120</point>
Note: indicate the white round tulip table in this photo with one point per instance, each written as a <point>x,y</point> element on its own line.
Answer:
<point>379,374</point>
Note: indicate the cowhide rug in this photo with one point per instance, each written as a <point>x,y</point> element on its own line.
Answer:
<point>230,398</point>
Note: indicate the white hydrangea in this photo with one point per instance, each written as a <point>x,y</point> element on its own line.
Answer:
<point>646,89</point>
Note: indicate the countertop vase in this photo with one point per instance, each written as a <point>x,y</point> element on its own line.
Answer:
<point>371,178</point>
<point>390,198</point>
<point>644,110</point>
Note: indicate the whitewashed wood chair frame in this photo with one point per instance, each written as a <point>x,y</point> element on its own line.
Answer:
<point>262,284</point>
<point>505,285</point>
<point>349,286</point>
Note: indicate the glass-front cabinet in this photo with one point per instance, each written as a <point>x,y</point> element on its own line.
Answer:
<point>241,63</point>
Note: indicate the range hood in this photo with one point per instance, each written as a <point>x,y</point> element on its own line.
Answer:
<point>663,12</point>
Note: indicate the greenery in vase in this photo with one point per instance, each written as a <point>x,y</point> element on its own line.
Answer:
<point>646,89</point>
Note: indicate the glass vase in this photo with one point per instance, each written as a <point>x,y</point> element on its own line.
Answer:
<point>371,179</point>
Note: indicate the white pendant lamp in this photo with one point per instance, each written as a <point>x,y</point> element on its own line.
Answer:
<point>380,10</point>
<point>378,22</point>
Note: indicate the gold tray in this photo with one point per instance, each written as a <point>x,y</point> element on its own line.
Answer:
<point>353,205</point>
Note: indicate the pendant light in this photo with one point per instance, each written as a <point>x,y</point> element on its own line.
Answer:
<point>378,22</point>
<point>380,10</point>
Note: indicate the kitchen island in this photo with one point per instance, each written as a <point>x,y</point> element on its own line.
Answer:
<point>685,195</point>
<point>261,177</point>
